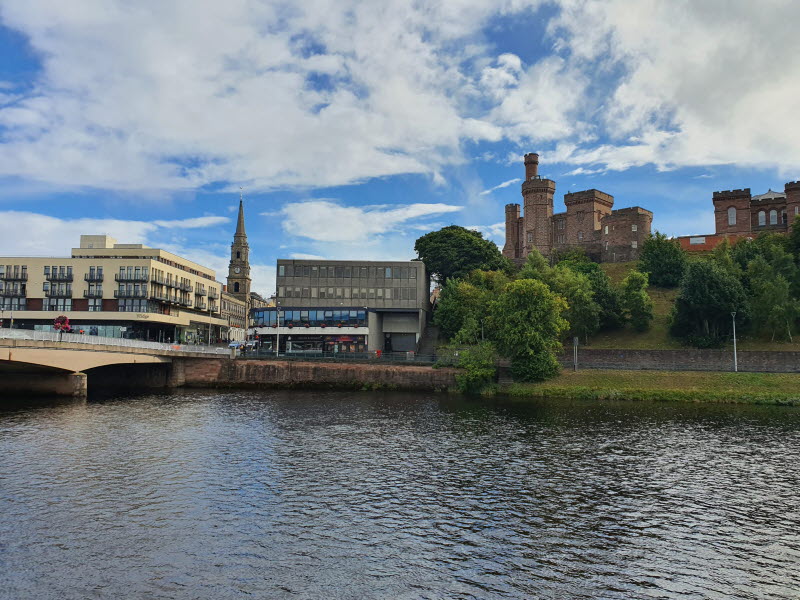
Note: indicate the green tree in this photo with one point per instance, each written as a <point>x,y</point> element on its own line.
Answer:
<point>606,296</point>
<point>663,260</point>
<point>794,239</point>
<point>535,267</point>
<point>459,301</point>
<point>707,297</point>
<point>637,303</point>
<point>478,370</point>
<point>454,251</point>
<point>527,326</point>
<point>773,309</point>
<point>583,313</point>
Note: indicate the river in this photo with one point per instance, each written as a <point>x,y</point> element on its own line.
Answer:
<point>295,494</point>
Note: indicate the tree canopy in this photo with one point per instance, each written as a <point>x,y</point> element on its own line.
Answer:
<point>454,251</point>
<point>663,260</point>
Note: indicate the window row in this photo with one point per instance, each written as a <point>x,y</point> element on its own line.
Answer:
<point>313,318</point>
<point>12,271</point>
<point>762,217</point>
<point>343,272</point>
<point>346,293</point>
<point>12,303</point>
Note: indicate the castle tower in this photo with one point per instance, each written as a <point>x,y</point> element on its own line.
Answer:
<point>732,211</point>
<point>537,194</point>
<point>792,190</point>
<point>511,248</point>
<point>239,266</point>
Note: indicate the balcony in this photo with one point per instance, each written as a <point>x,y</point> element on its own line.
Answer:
<point>130,293</point>
<point>186,287</point>
<point>93,277</point>
<point>57,293</point>
<point>93,294</point>
<point>133,277</point>
<point>213,294</point>
<point>12,293</point>
<point>201,291</point>
<point>200,306</point>
<point>14,276</point>
<point>58,276</point>
<point>185,302</point>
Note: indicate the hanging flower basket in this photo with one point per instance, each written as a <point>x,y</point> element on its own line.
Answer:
<point>322,325</point>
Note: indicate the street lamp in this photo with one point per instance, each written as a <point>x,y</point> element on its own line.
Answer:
<point>735,358</point>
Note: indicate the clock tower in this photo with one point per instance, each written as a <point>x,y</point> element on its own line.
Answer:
<point>239,267</point>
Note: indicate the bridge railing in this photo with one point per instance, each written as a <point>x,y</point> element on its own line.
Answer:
<point>96,340</point>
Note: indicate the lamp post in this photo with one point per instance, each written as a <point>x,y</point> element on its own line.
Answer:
<point>735,358</point>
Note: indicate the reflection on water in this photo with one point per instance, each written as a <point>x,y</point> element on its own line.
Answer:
<point>387,495</point>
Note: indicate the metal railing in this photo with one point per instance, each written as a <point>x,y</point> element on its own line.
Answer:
<point>382,357</point>
<point>96,340</point>
<point>93,277</point>
<point>58,293</point>
<point>130,293</point>
<point>93,293</point>
<point>133,277</point>
<point>12,293</point>
<point>58,276</point>
<point>14,277</point>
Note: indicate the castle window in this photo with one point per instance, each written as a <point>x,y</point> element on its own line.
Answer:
<point>605,230</point>
<point>606,244</point>
<point>530,237</point>
<point>783,217</point>
<point>732,215</point>
<point>796,210</point>
<point>580,236</point>
<point>773,217</point>
<point>634,244</point>
<point>634,227</point>
<point>762,218</point>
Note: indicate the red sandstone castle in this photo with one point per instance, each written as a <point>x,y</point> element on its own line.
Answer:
<point>589,223</point>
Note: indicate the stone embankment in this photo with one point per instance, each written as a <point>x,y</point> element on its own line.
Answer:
<point>224,372</point>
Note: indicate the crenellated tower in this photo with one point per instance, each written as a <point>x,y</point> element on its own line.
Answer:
<point>537,194</point>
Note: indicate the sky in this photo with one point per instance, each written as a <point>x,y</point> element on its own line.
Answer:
<point>352,128</point>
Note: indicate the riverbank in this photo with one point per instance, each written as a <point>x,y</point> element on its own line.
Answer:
<point>675,386</point>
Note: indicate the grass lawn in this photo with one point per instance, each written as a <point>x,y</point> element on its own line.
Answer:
<point>686,386</point>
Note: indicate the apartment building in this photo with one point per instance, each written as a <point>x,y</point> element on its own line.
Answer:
<point>346,306</point>
<point>114,290</point>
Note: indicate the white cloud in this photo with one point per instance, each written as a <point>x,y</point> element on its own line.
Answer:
<point>302,256</point>
<point>327,221</point>
<point>500,186</point>
<point>193,223</point>
<point>496,230</point>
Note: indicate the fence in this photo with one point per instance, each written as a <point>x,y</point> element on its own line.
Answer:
<point>383,357</point>
<point>96,340</point>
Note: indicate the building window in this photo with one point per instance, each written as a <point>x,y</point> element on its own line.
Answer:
<point>605,229</point>
<point>762,218</point>
<point>634,228</point>
<point>236,287</point>
<point>732,215</point>
<point>281,270</point>
<point>530,237</point>
<point>773,217</point>
<point>388,272</point>
<point>95,305</point>
<point>238,254</point>
<point>580,236</point>
<point>634,244</point>
<point>783,217</point>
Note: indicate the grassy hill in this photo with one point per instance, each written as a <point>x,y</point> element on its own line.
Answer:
<point>658,338</point>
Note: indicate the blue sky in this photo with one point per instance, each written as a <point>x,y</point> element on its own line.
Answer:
<point>355,127</point>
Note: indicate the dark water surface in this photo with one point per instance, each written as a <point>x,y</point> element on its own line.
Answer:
<point>387,495</point>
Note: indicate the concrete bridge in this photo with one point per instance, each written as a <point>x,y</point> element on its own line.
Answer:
<point>33,362</point>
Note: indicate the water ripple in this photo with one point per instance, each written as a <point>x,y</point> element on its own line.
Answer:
<point>336,495</point>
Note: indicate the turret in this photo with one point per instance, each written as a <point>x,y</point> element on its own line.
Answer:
<point>511,247</point>
<point>531,166</point>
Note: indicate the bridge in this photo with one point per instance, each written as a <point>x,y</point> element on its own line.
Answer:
<point>43,362</point>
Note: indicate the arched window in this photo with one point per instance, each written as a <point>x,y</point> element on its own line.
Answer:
<point>238,254</point>
<point>732,215</point>
<point>580,236</point>
<point>762,218</point>
<point>773,217</point>
<point>236,287</point>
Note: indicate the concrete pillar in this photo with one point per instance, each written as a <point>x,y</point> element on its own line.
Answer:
<point>80,387</point>
<point>375,326</point>
<point>177,373</point>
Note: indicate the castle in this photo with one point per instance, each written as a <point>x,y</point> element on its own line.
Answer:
<point>589,222</point>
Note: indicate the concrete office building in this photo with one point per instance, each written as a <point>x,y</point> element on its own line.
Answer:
<point>114,290</point>
<point>346,306</point>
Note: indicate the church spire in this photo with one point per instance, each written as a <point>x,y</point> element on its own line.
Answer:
<point>240,221</point>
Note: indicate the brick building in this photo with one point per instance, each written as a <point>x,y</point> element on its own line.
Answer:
<point>738,214</point>
<point>590,223</point>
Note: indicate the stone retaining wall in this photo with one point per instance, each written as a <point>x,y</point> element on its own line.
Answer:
<point>268,373</point>
<point>684,360</point>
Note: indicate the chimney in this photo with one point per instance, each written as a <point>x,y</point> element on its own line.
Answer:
<point>531,166</point>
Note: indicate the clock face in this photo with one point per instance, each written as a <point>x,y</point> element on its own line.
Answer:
<point>237,270</point>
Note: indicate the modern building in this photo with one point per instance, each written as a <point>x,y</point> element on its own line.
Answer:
<point>346,306</point>
<point>114,290</point>
<point>590,223</point>
<point>738,214</point>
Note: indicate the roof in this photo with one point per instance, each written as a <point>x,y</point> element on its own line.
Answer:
<point>770,195</point>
